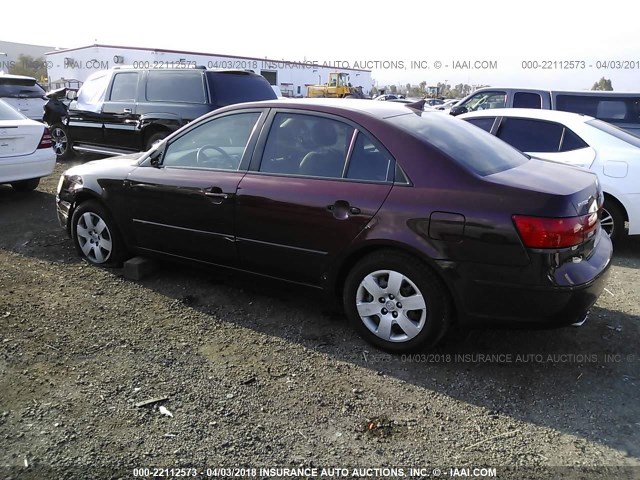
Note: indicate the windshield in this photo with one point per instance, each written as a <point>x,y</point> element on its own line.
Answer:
<point>615,132</point>
<point>485,101</point>
<point>467,144</point>
<point>20,88</point>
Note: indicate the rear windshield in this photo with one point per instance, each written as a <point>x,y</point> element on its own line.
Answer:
<point>228,88</point>
<point>467,144</point>
<point>8,113</point>
<point>616,132</point>
<point>607,108</point>
<point>168,86</point>
<point>20,88</point>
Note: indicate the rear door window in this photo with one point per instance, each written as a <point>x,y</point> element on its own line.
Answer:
<point>228,88</point>
<point>571,141</point>
<point>529,135</point>
<point>485,123</point>
<point>370,161</point>
<point>527,100</point>
<point>182,86</point>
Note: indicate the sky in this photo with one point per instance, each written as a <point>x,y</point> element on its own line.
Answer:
<point>543,43</point>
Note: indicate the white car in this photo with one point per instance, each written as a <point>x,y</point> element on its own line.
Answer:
<point>26,151</point>
<point>582,141</point>
<point>447,104</point>
<point>24,94</point>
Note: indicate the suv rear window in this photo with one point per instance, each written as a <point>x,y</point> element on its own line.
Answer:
<point>228,88</point>
<point>182,87</point>
<point>8,113</point>
<point>20,88</point>
<point>467,144</point>
<point>619,109</point>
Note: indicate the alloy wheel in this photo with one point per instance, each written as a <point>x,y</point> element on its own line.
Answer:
<point>94,237</point>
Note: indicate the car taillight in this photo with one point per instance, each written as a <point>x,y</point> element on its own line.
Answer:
<point>45,141</point>
<point>543,232</point>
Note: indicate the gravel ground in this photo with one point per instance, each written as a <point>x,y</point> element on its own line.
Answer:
<point>256,374</point>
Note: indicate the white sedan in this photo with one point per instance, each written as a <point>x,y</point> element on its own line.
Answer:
<point>26,152</point>
<point>582,141</point>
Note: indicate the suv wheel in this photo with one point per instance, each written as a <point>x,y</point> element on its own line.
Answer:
<point>155,139</point>
<point>61,143</point>
<point>96,236</point>
<point>396,303</point>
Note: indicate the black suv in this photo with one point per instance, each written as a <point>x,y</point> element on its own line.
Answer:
<point>126,110</point>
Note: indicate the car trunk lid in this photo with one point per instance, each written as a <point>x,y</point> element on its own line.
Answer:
<point>19,137</point>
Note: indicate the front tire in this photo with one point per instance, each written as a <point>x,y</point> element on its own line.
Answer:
<point>396,303</point>
<point>96,236</point>
<point>26,185</point>
<point>62,144</point>
<point>612,221</point>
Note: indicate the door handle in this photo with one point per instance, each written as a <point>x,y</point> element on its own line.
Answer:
<point>216,195</point>
<point>126,110</point>
<point>223,196</point>
<point>341,209</point>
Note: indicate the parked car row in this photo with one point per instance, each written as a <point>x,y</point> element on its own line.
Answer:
<point>618,108</point>
<point>410,220</point>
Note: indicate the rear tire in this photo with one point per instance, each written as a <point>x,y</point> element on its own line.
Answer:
<point>26,185</point>
<point>62,144</point>
<point>396,303</point>
<point>96,235</point>
<point>612,221</point>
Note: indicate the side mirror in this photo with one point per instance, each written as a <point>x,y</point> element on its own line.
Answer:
<point>458,110</point>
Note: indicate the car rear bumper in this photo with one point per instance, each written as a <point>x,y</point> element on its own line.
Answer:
<point>493,301</point>
<point>36,165</point>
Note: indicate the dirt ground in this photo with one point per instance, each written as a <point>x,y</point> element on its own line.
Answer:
<point>257,375</point>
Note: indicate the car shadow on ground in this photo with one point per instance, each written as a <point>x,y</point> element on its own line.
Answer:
<point>561,379</point>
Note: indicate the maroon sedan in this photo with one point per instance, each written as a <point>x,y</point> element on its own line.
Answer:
<point>413,220</point>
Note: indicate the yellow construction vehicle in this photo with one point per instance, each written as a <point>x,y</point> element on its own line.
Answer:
<point>338,87</point>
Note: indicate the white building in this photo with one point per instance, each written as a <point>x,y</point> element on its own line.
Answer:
<point>293,78</point>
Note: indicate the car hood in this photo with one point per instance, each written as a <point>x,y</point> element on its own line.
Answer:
<point>113,167</point>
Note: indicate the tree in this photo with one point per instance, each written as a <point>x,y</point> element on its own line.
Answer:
<point>393,89</point>
<point>30,67</point>
<point>603,84</point>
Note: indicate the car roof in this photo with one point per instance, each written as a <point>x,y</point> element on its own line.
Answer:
<point>332,105</point>
<point>588,93</point>
<point>18,77</point>
<point>551,115</point>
